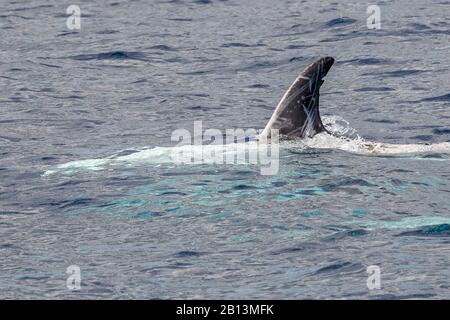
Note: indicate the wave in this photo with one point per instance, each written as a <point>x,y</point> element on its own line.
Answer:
<point>111,55</point>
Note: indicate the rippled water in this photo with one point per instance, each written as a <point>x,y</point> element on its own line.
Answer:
<point>138,70</point>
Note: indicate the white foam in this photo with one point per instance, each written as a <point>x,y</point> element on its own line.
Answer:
<point>348,141</point>
<point>361,146</point>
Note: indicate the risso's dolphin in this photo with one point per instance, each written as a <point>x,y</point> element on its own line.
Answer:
<point>297,114</point>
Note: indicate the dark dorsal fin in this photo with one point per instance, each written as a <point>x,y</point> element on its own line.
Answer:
<point>297,114</point>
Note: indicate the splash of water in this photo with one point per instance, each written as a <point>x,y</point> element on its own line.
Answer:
<point>343,137</point>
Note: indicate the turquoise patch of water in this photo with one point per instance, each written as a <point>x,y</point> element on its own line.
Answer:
<point>147,215</point>
<point>432,182</point>
<point>241,238</point>
<point>220,215</point>
<point>286,196</point>
<point>299,234</point>
<point>357,233</point>
<point>437,229</point>
<point>300,193</point>
<point>310,214</point>
<point>310,191</point>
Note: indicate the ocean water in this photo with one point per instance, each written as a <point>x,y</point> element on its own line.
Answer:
<point>86,177</point>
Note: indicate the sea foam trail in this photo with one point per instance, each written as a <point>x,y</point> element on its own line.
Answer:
<point>186,154</point>
<point>343,138</point>
<point>238,152</point>
<point>361,146</point>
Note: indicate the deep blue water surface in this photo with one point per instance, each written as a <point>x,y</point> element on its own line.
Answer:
<point>137,70</point>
